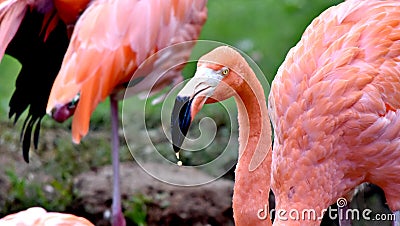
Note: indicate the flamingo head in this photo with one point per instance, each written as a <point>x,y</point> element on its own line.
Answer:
<point>215,80</point>
<point>62,112</point>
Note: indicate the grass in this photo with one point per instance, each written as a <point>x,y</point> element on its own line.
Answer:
<point>55,196</point>
<point>137,211</point>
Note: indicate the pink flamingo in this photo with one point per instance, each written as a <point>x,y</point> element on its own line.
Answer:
<point>334,107</point>
<point>110,41</point>
<point>37,216</point>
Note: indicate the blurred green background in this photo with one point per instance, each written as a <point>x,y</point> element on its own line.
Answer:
<point>264,29</point>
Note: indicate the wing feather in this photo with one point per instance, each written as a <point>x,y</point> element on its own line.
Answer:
<point>356,50</point>
<point>111,39</point>
<point>11,14</point>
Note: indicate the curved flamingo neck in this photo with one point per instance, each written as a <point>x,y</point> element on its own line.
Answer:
<point>252,177</point>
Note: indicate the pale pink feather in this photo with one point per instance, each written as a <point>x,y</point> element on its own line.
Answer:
<point>111,39</point>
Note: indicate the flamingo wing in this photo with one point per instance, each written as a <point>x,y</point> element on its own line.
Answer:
<point>38,39</point>
<point>11,14</point>
<point>40,63</point>
<point>111,39</point>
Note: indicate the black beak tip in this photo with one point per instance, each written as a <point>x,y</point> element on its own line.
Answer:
<point>180,121</point>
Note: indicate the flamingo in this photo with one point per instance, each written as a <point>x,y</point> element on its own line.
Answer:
<point>110,41</point>
<point>220,74</point>
<point>334,107</point>
<point>36,33</point>
<point>37,216</point>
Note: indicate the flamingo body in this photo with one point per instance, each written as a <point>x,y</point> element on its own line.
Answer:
<point>334,107</point>
<point>37,216</point>
<point>110,41</point>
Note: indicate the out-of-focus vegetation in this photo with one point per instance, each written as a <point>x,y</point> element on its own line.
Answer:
<point>138,209</point>
<point>264,29</point>
<point>9,67</point>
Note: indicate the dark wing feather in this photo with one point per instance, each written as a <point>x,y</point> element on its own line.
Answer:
<point>41,62</point>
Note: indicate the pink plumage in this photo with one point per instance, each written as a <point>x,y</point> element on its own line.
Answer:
<point>37,216</point>
<point>334,107</point>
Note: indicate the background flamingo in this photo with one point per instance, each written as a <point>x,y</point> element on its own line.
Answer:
<point>36,33</point>
<point>37,216</point>
<point>111,39</point>
<point>333,107</point>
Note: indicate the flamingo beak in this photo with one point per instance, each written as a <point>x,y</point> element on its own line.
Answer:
<point>180,120</point>
<point>189,102</point>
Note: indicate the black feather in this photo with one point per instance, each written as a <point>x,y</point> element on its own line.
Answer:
<point>41,62</point>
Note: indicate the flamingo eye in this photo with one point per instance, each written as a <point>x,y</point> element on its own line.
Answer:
<point>225,71</point>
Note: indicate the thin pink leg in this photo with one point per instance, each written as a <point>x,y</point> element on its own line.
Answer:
<point>117,216</point>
